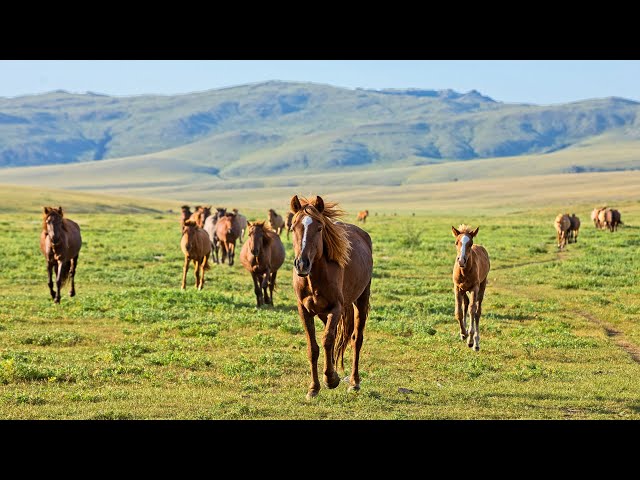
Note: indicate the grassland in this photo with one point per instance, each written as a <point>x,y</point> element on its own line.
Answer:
<point>559,335</point>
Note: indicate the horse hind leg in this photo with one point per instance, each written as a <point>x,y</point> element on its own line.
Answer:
<point>72,273</point>
<point>257,290</point>
<point>361,312</point>
<point>50,272</point>
<point>476,316</point>
<point>272,284</point>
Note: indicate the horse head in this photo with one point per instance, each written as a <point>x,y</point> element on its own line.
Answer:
<point>53,224</point>
<point>307,233</point>
<point>188,231</point>
<point>257,238</point>
<point>464,241</point>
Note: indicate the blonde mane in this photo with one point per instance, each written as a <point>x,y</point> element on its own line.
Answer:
<point>464,228</point>
<point>334,235</point>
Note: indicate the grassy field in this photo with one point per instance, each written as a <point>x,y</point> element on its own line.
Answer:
<point>560,332</point>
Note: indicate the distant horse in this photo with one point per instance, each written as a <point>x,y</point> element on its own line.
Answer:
<point>262,255</point>
<point>362,216</point>
<point>242,222</point>
<point>562,224</point>
<point>612,219</point>
<point>196,247</point>
<point>200,215</point>
<point>470,272</point>
<point>574,229</point>
<point>332,273</point>
<point>210,227</point>
<point>288,223</point>
<point>227,231</point>
<point>60,243</point>
<point>594,217</point>
<point>186,214</point>
<point>276,222</point>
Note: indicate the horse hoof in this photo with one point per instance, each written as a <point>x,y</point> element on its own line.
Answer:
<point>333,382</point>
<point>57,300</point>
<point>353,388</point>
<point>477,348</point>
<point>72,294</point>
<point>463,337</point>
<point>470,345</point>
<point>312,394</point>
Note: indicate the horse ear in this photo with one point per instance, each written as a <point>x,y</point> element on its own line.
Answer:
<point>455,231</point>
<point>60,210</point>
<point>295,204</point>
<point>475,232</point>
<point>319,204</point>
<point>46,210</point>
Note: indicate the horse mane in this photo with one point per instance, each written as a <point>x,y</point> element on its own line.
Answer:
<point>464,228</point>
<point>261,224</point>
<point>336,242</point>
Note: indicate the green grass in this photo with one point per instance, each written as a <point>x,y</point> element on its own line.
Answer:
<point>131,345</point>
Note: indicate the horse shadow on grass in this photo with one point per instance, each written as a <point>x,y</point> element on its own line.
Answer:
<point>507,317</point>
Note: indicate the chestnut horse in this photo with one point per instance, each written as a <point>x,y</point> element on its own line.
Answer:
<point>200,215</point>
<point>276,222</point>
<point>612,219</point>
<point>60,243</point>
<point>595,217</point>
<point>186,214</point>
<point>362,216</point>
<point>227,232</point>
<point>470,272</point>
<point>574,229</point>
<point>288,223</point>
<point>332,273</point>
<point>196,247</point>
<point>562,224</point>
<point>262,255</point>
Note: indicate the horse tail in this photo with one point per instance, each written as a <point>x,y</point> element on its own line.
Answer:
<point>343,334</point>
<point>64,273</point>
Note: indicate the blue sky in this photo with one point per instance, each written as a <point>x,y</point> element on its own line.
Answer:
<point>527,81</point>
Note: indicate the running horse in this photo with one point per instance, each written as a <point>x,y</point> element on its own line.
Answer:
<point>276,222</point>
<point>563,225</point>
<point>288,223</point>
<point>362,216</point>
<point>470,273</point>
<point>60,243</point>
<point>574,229</point>
<point>196,247</point>
<point>332,271</point>
<point>262,255</point>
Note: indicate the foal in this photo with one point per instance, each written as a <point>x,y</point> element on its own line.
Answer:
<point>196,246</point>
<point>470,272</point>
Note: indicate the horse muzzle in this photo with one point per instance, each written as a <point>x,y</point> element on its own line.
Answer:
<point>462,262</point>
<point>302,266</point>
<point>255,252</point>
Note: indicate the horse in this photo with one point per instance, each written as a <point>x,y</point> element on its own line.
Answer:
<point>242,222</point>
<point>288,223</point>
<point>60,243</point>
<point>200,215</point>
<point>276,222</point>
<point>362,216</point>
<point>227,231</point>
<point>332,273</point>
<point>562,224</point>
<point>470,273</point>
<point>262,255</point>
<point>612,219</point>
<point>186,214</point>
<point>574,229</point>
<point>594,217</point>
<point>196,247</point>
<point>210,227</point>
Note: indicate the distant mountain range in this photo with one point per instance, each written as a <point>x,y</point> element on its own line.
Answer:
<point>282,128</point>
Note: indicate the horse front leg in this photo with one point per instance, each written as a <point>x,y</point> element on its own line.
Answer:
<point>202,265</point>
<point>331,377</point>
<point>272,284</point>
<point>196,272</point>
<point>72,273</point>
<point>50,273</point>
<point>231,252</point>
<point>58,281</point>
<point>313,350</point>
<point>265,285</point>
<point>473,331</point>
<point>459,313</point>
<point>257,290</point>
<point>476,318</point>
<point>185,268</point>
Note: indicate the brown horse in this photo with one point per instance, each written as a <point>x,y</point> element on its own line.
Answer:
<point>227,231</point>
<point>186,214</point>
<point>196,247</point>
<point>288,223</point>
<point>612,219</point>
<point>562,224</point>
<point>276,222</point>
<point>332,273</point>
<point>574,229</point>
<point>262,255</point>
<point>470,272</point>
<point>200,215</point>
<point>362,216</point>
<point>60,243</point>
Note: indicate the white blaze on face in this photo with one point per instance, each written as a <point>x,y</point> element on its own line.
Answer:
<point>306,221</point>
<point>463,251</point>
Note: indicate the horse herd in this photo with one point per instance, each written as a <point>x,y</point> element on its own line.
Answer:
<point>568,226</point>
<point>332,267</point>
